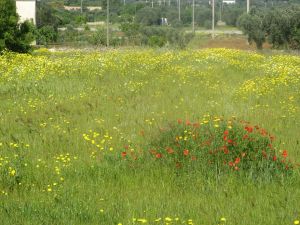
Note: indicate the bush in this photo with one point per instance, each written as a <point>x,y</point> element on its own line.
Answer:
<point>14,36</point>
<point>99,37</point>
<point>147,16</point>
<point>46,34</point>
<point>219,146</point>
<point>252,25</point>
<point>156,41</point>
<point>208,24</point>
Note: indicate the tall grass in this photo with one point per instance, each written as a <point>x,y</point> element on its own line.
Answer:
<point>66,119</point>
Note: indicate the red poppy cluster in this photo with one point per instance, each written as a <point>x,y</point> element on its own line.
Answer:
<point>240,147</point>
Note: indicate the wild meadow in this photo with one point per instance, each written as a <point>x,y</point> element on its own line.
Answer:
<point>125,137</point>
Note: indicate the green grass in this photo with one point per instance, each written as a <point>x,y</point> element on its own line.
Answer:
<point>50,100</point>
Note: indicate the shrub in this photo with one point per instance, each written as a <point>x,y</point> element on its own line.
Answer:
<point>46,35</point>
<point>220,146</point>
<point>208,24</point>
<point>99,37</point>
<point>156,41</point>
<point>14,36</point>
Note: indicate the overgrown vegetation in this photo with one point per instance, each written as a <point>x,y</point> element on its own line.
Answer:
<point>78,131</point>
<point>14,36</point>
<point>279,26</point>
<point>129,20</point>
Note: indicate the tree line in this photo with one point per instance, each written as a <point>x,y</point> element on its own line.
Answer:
<point>278,26</point>
<point>273,21</point>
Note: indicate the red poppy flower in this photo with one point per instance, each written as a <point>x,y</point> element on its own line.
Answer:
<point>263,132</point>
<point>158,155</point>
<point>245,137</point>
<point>225,138</point>
<point>231,164</point>
<point>226,151</point>
<point>284,153</point>
<point>179,121</point>
<point>124,154</point>
<point>186,152</point>
<point>188,123</point>
<point>226,132</point>
<point>249,129</point>
<point>237,160</point>
<point>274,158</point>
<point>230,141</point>
<point>170,150</point>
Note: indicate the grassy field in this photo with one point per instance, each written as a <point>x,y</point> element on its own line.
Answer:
<point>76,129</point>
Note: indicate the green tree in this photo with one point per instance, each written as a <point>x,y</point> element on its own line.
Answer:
<point>46,34</point>
<point>231,14</point>
<point>148,16</point>
<point>14,36</point>
<point>202,14</point>
<point>252,25</point>
<point>99,37</point>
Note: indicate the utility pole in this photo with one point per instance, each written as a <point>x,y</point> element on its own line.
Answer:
<point>193,22</point>
<point>107,23</point>
<point>221,9</point>
<point>248,6</point>
<point>152,4</point>
<point>213,19</point>
<point>81,6</point>
<point>124,2</point>
<point>179,17</point>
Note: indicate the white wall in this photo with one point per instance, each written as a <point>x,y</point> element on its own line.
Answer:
<point>26,10</point>
<point>229,1</point>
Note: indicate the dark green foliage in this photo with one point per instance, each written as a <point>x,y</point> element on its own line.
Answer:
<point>252,25</point>
<point>280,26</point>
<point>14,36</point>
<point>46,35</point>
<point>157,41</point>
<point>99,37</point>
<point>202,14</point>
<point>160,36</point>
<point>208,24</point>
<point>130,29</point>
<point>231,14</point>
<point>148,16</point>
<point>46,16</point>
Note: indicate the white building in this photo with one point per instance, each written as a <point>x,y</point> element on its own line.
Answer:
<point>26,9</point>
<point>228,1</point>
<point>78,8</point>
